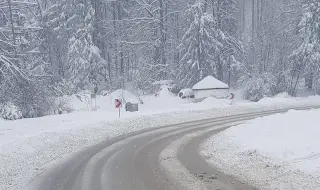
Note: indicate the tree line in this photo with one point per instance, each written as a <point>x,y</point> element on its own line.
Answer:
<point>50,48</point>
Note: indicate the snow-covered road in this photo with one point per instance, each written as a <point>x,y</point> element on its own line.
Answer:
<point>160,158</point>
<point>29,146</point>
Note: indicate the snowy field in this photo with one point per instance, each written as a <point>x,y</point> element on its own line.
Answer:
<point>275,152</point>
<point>28,146</point>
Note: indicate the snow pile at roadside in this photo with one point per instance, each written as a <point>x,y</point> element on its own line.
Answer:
<point>165,100</point>
<point>275,152</point>
<point>28,146</point>
<point>215,102</point>
<point>277,99</point>
<point>210,102</point>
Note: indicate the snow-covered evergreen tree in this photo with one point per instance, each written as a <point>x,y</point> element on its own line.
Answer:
<point>230,57</point>
<point>84,61</point>
<point>199,47</point>
<point>77,58</point>
<point>58,19</point>
<point>210,46</point>
<point>307,56</point>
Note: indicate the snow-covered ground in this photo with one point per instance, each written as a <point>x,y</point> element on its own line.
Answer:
<point>28,146</point>
<point>275,152</point>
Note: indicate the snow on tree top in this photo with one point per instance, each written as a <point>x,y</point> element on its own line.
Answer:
<point>209,83</point>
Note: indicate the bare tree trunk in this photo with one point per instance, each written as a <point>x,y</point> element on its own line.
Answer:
<point>109,68</point>
<point>162,35</point>
<point>114,18</point>
<point>293,91</point>
<point>213,11</point>
<point>121,54</point>
<point>253,19</point>
<point>243,17</point>
<point>121,64</point>
<point>199,56</point>
<point>219,14</point>
<point>219,18</point>
<point>205,5</point>
<point>220,68</point>
<point>309,78</point>
<point>12,29</point>
<point>176,53</point>
<point>229,70</point>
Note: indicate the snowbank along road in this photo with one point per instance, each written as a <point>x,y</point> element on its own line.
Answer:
<point>161,158</point>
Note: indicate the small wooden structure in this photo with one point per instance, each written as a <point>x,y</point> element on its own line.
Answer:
<point>210,87</point>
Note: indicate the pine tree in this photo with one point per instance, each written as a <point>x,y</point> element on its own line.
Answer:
<point>225,13</point>
<point>76,57</point>
<point>306,58</point>
<point>199,47</point>
<point>60,23</point>
<point>84,60</point>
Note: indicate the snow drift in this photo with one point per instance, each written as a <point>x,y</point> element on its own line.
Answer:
<point>275,152</point>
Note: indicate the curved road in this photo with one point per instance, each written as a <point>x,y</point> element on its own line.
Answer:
<point>157,159</point>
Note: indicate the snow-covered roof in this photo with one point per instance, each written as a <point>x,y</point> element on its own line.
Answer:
<point>210,83</point>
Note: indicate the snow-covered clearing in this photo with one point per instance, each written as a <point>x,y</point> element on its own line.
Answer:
<point>275,152</point>
<point>28,146</point>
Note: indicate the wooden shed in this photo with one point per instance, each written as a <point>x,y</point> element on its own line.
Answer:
<point>210,87</point>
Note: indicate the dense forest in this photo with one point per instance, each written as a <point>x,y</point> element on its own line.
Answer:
<point>51,48</point>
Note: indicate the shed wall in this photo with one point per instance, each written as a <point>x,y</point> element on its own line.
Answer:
<point>217,93</point>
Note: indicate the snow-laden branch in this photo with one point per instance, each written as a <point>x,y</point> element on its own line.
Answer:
<point>136,43</point>
<point>17,4</point>
<point>11,67</point>
<point>19,29</point>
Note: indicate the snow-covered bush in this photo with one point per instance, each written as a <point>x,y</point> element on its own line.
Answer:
<point>62,106</point>
<point>257,87</point>
<point>32,98</point>
<point>64,87</point>
<point>9,111</point>
<point>316,85</point>
<point>253,91</point>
